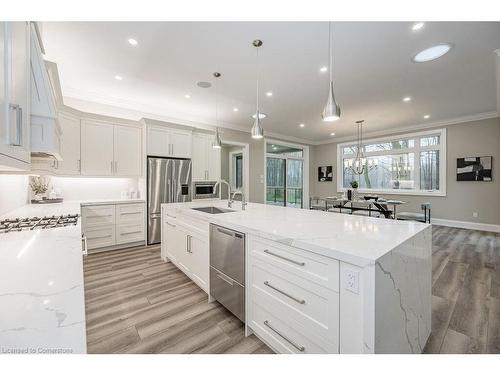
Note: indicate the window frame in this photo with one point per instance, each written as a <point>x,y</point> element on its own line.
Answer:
<point>232,169</point>
<point>416,150</point>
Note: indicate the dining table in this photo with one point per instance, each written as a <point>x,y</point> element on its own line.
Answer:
<point>370,205</point>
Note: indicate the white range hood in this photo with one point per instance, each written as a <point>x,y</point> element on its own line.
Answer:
<point>45,129</point>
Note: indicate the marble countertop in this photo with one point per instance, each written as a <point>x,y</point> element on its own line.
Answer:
<point>354,239</point>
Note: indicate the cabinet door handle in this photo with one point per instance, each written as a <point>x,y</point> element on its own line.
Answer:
<point>172,148</point>
<point>226,279</point>
<point>111,166</point>
<point>284,258</point>
<point>84,245</point>
<point>301,301</point>
<point>18,141</point>
<point>79,165</point>
<point>116,167</point>
<point>300,348</point>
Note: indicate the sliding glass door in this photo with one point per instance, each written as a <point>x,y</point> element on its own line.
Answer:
<point>284,175</point>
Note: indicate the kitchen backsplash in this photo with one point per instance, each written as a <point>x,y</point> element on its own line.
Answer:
<point>13,192</point>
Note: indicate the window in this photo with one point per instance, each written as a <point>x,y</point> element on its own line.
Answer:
<point>411,164</point>
<point>236,168</point>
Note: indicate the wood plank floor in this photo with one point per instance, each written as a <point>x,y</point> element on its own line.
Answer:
<point>136,303</point>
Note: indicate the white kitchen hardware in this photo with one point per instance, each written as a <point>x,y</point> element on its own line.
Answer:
<point>113,226</point>
<point>15,144</point>
<point>206,159</point>
<point>169,141</point>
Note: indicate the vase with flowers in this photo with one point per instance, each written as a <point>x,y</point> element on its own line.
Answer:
<point>39,186</point>
<point>352,194</point>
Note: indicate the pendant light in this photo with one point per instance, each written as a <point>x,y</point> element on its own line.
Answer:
<point>257,130</point>
<point>360,164</point>
<point>331,112</point>
<point>217,143</point>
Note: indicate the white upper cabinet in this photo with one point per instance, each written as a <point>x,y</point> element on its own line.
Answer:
<point>97,148</point>
<point>15,143</point>
<point>70,146</point>
<point>206,159</point>
<point>127,148</point>
<point>169,142</point>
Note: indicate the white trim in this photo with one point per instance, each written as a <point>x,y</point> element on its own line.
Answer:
<point>467,225</point>
<point>416,150</point>
<point>246,165</point>
<point>232,168</point>
<point>423,126</point>
<point>305,158</point>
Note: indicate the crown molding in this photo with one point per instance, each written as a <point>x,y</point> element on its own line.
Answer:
<point>411,128</point>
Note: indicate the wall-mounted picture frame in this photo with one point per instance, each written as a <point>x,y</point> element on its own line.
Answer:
<point>476,168</point>
<point>325,173</point>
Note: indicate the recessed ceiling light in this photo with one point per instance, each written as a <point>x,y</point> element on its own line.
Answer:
<point>323,69</point>
<point>301,125</point>
<point>427,116</point>
<point>187,96</point>
<point>261,115</point>
<point>204,84</point>
<point>235,109</point>
<point>132,41</point>
<point>406,99</point>
<point>118,78</point>
<point>432,53</point>
<point>269,93</point>
<point>332,134</point>
<point>417,26</point>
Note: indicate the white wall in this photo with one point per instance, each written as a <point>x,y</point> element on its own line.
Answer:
<point>13,192</point>
<point>83,188</point>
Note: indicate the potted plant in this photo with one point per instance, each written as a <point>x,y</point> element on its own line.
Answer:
<point>353,194</point>
<point>39,186</point>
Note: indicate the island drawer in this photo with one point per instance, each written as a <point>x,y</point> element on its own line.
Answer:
<point>290,296</point>
<point>285,335</point>
<point>101,236</point>
<point>313,267</point>
<point>126,233</point>
<point>130,213</point>
<point>98,215</point>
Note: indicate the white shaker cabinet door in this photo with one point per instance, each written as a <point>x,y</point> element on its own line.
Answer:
<point>198,260</point>
<point>213,163</point>
<point>127,150</point>
<point>199,158</point>
<point>180,144</point>
<point>97,149</point>
<point>158,142</point>
<point>70,146</point>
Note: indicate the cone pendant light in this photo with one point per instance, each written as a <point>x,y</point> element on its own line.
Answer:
<point>217,143</point>
<point>331,112</point>
<point>257,130</point>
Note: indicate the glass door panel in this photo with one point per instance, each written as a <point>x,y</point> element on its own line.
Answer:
<point>294,182</point>
<point>275,177</point>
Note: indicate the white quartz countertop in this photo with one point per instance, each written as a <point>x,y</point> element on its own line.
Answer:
<point>354,239</point>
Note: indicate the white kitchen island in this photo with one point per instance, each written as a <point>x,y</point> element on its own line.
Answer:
<point>317,282</point>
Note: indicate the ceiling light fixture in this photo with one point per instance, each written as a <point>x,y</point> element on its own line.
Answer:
<point>257,130</point>
<point>203,84</point>
<point>132,41</point>
<point>269,93</point>
<point>432,53</point>
<point>217,143</point>
<point>331,112</point>
<point>118,78</point>
<point>427,116</point>
<point>302,125</point>
<point>262,115</point>
<point>235,109</point>
<point>417,26</point>
<point>187,96</point>
<point>406,99</point>
<point>332,134</point>
<point>323,69</point>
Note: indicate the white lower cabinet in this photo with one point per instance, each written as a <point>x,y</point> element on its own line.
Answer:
<point>187,248</point>
<point>292,298</point>
<point>113,226</point>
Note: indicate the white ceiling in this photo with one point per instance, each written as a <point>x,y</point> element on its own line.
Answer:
<point>372,71</point>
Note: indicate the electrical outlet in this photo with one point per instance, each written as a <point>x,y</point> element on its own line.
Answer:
<point>351,280</point>
<point>474,214</point>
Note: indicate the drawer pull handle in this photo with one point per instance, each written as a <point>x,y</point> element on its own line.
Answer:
<point>99,237</point>
<point>134,232</point>
<point>301,301</point>
<point>172,225</point>
<point>226,279</point>
<point>300,348</point>
<point>173,217</point>
<point>94,216</point>
<point>225,231</point>
<point>131,213</point>
<point>284,258</point>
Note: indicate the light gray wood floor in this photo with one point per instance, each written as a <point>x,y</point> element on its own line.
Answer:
<point>136,303</point>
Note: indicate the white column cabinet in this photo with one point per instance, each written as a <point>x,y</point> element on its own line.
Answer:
<point>70,146</point>
<point>206,159</point>
<point>169,142</point>
<point>127,151</point>
<point>97,148</point>
<point>15,143</point>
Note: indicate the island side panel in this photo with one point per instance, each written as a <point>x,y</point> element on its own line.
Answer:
<point>403,296</point>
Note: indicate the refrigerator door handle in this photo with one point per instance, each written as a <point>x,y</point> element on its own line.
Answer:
<point>155,216</point>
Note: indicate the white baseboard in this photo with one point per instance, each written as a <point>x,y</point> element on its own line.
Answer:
<point>467,225</point>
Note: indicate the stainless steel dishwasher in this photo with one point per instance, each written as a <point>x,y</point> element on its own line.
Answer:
<point>227,269</point>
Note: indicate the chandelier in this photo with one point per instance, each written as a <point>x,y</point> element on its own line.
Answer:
<point>360,163</point>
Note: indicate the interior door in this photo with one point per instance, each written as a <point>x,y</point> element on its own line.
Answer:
<point>275,181</point>
<point>294,182</point>
<point>70,146</point>
<point>127,149</point>
<point>97,149</point>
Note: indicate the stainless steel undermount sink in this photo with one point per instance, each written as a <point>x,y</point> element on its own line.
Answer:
<point>212,210</point>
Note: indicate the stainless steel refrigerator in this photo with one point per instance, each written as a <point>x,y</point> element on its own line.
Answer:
<point>169,181</point>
